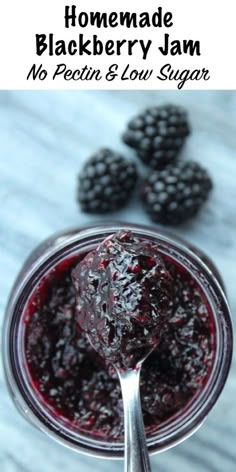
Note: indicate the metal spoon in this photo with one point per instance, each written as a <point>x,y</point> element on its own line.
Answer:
<point>136,452</point>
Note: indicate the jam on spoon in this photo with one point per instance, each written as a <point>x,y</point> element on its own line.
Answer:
<point>124,298</point>
<point>80,389</point>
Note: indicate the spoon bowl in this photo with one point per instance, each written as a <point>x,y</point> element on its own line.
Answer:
<point>123,299</point>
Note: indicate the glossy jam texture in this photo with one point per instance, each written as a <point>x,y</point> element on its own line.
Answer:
<point>74,383</point>
<point>124,297</point>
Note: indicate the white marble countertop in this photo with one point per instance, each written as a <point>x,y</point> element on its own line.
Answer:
<point>44,138</point>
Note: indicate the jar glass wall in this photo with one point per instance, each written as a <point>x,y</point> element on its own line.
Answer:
<point>78,242</point>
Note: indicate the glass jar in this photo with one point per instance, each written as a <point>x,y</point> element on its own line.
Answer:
<point>80,241</point>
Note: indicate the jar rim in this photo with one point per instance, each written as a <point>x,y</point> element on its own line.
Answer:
<point>173,430</point>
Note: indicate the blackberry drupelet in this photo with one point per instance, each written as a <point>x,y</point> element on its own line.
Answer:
<point>106,182</point>
<point>176,193</point>
<point>158,134</point>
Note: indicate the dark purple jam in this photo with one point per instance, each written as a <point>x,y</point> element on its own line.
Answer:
<point>124,297</point>
<point>77,385</point>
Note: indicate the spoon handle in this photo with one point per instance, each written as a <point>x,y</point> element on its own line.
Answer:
<point>136,453</point>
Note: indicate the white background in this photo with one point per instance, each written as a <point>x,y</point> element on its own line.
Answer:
<point>210,22</point>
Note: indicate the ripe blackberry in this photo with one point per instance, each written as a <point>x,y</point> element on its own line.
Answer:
<point>106,182</point>
<point>158,134</point>
<point>176,193</point>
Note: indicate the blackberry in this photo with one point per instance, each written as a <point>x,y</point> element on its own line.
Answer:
<point>158,134</point>
<point>176,193</point>
<point>106,182</point>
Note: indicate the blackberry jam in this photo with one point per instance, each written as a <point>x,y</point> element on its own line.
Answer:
<point>67,390</point>
<point>124,298</point>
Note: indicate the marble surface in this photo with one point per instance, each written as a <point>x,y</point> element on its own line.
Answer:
<point>44,138</point>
